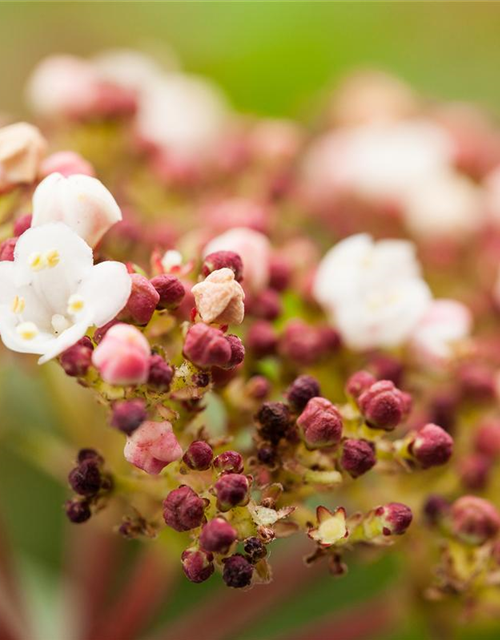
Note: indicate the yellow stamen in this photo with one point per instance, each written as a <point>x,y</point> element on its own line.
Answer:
<point>52,258</point>
<point>27,330</point>
<point>75,303</point>
<point>18,304</point>
<point>37,262</point>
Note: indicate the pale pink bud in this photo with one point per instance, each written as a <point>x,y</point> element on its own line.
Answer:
<point>152,447</point>
<point>67,163</point>
<point>81,202</point>
<point>320,423</point>
<point>22,148</point>
<point>123,356</point>
<point>219,298</point>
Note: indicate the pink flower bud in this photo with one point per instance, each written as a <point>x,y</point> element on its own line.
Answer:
<point>22,148</point>
<point>232,490</point>
<point>262,339</point>
<point>67,163</point>
<point>432,446</point>
<point>487,438</point>
<point>358,456</point>
<point>183,509</point>
<point>77,359</point>
<point>235,212</point>
<point>207,346</point>
<point>383,405</point>
<point>198,456</point>
<point>237,351</point>
<point>395,518</point>
<point>142,301</point>
<point>123,356</point>
<point>237,571</point>
<point>219,298</point>
<point>474,471</point>
<point>22,224</point>
<point>305,344</point>
<point>320,424</point>
<point>229,462</point>
<point>474,520</point>
<point>266,305</point>
<point>359,382</point>
<point>128,415</point>
<point>223,260</point>
<point>217,536</point>
<point>477,382</point>
<point>170,289</point>
<point>7,249</point>
<point>280,273</point>
<point>160,373</point>
<point>301,391</point>
<point>197,565</point>
<point>152,447</point>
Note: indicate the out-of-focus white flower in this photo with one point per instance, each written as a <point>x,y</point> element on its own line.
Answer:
<point>373,291</point>
<point>129,69</point>
<point>171,259</point>
<point>447,205</point>
<point>380,162</point>
<point>182,115</point>
<point>52,292</point>
<point>445,323</point>
<point>83,203</point>
<point>253,248</point>
<point>492,196</point>
<point>22,148</point>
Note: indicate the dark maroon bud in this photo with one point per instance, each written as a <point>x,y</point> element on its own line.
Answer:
<point>395,518</point>
<point>197,564</point>
<point>77,511</point>
<point>198,456</point>
<point>280,273</point>
<point>232,490</point>
<point>477,382</point>
<point>383,405</point>
<point>266,305</point>
<point>170,289</point>
<point>320,424</point>
<point>22,224</point>
<point>85,479</point>
<point>442,410</point>
<point>328,339</point>
<point>217,536</point>
<point>237,571</point>
<point>223,259</point>
<point>237,351</point>
<point>387,368</point>
<point>432,446</point>
<point>474,520</point>
<point>229,462</point>
<point>101,331</point>
<point>474,470</point>
<point>160,373</point>
<point>301,391</point>
<point>358,456</point>
<point>267,455</point>
<point>435,508</point>
<point>142,301</point>
<point>77,359</point>
<point>207,346</point>
<point>7,249</point>
<point>201,379</point>
<point>255,549</point>
<point>128,415</point>
<point>274,420</point>
<point>258,387</point>
<point>487,438</point>
<point>262,339</point>
<point>183,509</point>
<point>358,383</point>
<point>89,454</point>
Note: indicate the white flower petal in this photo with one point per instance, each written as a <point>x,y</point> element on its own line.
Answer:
<point>105,290</point>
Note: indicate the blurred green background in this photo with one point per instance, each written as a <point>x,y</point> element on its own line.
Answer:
<point>271,59</point>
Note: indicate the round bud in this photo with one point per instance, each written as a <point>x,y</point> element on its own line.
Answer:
<point>85,479</point>
<point>358,456</point>
<point>262,339</point>
<point>474,520</point>
<point>183,509</point>
<point>432,446</point>
<point>237,351</point>
<point>77,511</point>
<point>320,424</point>
<point>198,456</point>
<point>274,420</point>
<point>237,571</point>
<point>197,565</point>
<point>207,346</point>
<point>142,301</point>
<point>266,305</point>
<point>395,518</point>
<point>77,359</point>
<point>221,260</point>
<point>359,382</point>
<point>435,508</point>
<point>160,373</point>
<point>128,415</point>
<point>170,289</point>
<point>217,536</point>
<point>301,391</point>
<point>89,454</point>
<point>229,462</point>
<point>255,549</point>
<point>383,405</point>
<point>232,490</point>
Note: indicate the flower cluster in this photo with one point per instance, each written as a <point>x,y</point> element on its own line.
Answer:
<point>272,319</point>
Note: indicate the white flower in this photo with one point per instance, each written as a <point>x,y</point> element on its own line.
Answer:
<point>81,202</point>
<point>183,115</point>
<point>372,290</point>
<point>129,69</point>
<point>378,161</point>
<point>445,323</point>
<point>52,292</point>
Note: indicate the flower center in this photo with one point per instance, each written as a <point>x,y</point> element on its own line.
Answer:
<point>38,261</point>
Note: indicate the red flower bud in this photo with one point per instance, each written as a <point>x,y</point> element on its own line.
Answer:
<point>77,359</point>
<point>229,462</point>
<point>217,536</point>
<point>383,405</point>
<point>262,339</point>
<point>198,456</point>
<point>477,382</point>
<point>320,424</point>
<point>128,415</point>
<point>197,564</point>
<point>266,305</point>
<point>395,518</point>
<point>280,273</point>
<point>301,391</point>
<point>207,346</point>
<point>487,438</point>
<point>359,382</point>
<point>237,571</point>
<point>358,456</point>
<point>432,446</point>
<point>142,301</point>
<point>223,259</point>
<point>183,509</point>
<point>160,373</point>
<point>170,289</point>
<point>474,520</point>
<point>474,471</point>
<point>232,490</point>
<point>237,351</point>
<point>7,249</point>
